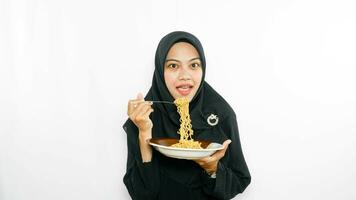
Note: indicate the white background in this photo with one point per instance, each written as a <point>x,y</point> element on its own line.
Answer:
<point>68,68</point>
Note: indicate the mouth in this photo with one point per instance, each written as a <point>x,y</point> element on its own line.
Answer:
<point>184,89</point>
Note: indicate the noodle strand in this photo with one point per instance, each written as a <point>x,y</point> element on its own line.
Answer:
<point>185,130</point>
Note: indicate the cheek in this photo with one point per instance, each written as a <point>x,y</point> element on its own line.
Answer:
<point>197,76</point>
<point>169,79</point>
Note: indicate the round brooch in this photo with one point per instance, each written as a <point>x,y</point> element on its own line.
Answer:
<point>213,120</point>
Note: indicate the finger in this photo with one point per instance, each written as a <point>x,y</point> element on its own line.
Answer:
<point>143,112</point>
<point>226,143</point>
<point>221,153</point>
<point>225,146</point>
<point>208,164</point>
<point>147,113</point>
<point>205,160</point>
<point>137,109</point>
<point>133,104</point>
<point>202,160</point>
<point>141,108</point>
<point>135,101</point>
<point>216,156</point>
<point>145,117</point>
<point>140,96</point>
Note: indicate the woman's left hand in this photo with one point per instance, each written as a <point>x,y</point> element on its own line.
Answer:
<point>210,163</point>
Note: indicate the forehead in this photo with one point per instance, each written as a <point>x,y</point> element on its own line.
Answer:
<point>182,50</point>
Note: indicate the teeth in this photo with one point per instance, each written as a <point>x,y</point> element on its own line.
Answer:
<point>184,87</point>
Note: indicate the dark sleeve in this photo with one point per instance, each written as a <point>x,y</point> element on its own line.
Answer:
<point>232,176</point>
<point>141,179</point>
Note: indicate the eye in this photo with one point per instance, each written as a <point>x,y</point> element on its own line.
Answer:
<point>195,65</point>
<point>173,66</point>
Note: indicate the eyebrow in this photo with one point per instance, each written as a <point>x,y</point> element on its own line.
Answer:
<point>172,59</point>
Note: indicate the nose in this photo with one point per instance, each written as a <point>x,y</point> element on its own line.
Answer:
<point>184,73</point>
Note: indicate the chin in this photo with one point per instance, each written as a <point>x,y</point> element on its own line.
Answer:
<point>189,96</point>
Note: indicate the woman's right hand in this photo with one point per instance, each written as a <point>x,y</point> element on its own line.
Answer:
<point>139,111</point>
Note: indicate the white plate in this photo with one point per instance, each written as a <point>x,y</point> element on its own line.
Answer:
<point>163,145</point>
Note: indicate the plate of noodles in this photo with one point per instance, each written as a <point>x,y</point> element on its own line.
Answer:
<point>164,146</point>
<point>185,147</point>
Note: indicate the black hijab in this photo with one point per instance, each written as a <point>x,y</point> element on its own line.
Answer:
<point>205,101</point>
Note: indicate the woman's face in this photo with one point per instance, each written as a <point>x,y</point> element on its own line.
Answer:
<point>182,70</point>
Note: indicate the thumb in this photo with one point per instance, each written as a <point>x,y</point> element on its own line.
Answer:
<point>221,153</point>
<point>226,144</point>
<point>140,96</point>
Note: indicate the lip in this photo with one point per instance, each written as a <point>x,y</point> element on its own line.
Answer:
<point>184,89</point>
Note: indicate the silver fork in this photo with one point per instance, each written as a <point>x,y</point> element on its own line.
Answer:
<point>162,102</point>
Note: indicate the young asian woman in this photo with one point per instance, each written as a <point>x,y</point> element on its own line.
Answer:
<point>180,68</point>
